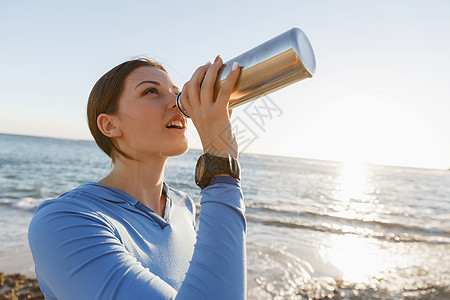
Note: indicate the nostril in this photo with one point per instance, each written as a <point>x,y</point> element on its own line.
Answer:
<point>173,102</point>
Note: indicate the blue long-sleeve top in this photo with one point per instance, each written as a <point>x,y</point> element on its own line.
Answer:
<point>96,242</point>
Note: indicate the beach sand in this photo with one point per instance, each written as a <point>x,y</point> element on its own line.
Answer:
<point>19,286</point>
<point>17,276</point>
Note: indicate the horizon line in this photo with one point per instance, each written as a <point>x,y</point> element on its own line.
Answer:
<point>252,153</point>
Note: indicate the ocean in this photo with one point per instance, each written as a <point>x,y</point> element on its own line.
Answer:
<point>316,229</point>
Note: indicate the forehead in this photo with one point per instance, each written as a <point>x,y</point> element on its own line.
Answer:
<point>147,73</point>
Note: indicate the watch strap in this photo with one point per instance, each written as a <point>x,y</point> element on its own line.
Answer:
<point>208,166</point>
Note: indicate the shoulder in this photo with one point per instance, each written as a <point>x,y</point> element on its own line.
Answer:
<point>74,216</point>
<point>76,204</point>
<point>74,199</point>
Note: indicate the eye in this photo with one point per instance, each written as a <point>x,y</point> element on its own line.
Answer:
<point>152,90</point>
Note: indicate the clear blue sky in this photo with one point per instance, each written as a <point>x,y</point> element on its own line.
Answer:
<point>380,94</point>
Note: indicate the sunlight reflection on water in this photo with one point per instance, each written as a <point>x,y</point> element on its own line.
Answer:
<point>352,182</point>
<point>356,258</point>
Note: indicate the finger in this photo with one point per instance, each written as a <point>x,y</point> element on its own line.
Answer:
<point>194,84</point>
<point>227,88</point>
<point>198,75</point>
<point>207,89</point>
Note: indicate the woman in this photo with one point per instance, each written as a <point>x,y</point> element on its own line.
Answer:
<point>130,235</point>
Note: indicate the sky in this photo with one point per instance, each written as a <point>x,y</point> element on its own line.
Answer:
<point>380,93</point>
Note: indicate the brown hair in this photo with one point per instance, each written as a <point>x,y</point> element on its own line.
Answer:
<point>104,99</point>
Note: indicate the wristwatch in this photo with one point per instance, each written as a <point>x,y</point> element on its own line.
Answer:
<point>209,165</point>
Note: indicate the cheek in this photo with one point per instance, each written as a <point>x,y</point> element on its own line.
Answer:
<point>149,118</point>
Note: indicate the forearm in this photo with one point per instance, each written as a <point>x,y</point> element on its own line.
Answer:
<point>218,267</point>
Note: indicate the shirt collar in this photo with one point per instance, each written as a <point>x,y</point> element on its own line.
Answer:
<point>114,195</point>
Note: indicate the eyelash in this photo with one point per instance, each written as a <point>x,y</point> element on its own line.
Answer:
<point>152,89</point>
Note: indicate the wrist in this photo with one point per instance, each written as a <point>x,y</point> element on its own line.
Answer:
<point>221,151</point>
<point>210,166</point>
<point>223,145</point>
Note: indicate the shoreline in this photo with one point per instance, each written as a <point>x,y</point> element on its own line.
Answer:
<point>19,261</point>
<point>19,286</point>
<point>15,253</point>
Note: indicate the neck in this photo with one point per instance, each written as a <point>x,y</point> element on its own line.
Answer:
<point>141,179</point>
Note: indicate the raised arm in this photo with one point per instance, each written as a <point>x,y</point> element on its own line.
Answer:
<point>218,267</point>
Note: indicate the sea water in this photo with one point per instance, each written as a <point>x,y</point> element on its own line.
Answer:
<point>316,229</point>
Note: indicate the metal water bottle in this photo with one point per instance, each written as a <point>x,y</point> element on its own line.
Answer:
<point>279,62</point>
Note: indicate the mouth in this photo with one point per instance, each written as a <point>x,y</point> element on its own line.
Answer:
<point>177,123</point>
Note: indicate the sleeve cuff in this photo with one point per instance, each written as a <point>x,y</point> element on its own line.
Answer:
<point>225,179</point>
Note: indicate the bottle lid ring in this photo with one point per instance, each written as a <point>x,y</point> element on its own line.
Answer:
<point>180,107</point>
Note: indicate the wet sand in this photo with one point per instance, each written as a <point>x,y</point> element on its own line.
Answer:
<point>18,286</point>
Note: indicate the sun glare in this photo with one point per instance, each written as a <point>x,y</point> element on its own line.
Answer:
<point>354,197</point>
<point>356,257</point>
<point>352,182</point>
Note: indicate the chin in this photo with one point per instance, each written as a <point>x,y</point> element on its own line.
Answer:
<point>176,150</point>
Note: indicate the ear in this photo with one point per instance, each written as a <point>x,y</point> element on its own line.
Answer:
<point>107,124</point>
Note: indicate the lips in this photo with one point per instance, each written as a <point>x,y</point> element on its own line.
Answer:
<point>176,122</point>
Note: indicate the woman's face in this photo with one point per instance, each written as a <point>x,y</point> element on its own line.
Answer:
<point>145,110</point>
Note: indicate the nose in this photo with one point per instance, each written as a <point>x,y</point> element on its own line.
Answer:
<point>173,104</point>
<point>172,101</point>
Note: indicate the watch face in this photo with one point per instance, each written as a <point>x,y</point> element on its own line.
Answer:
<point>218,166</point>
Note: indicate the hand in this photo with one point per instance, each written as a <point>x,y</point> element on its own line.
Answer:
<point>210,116</point>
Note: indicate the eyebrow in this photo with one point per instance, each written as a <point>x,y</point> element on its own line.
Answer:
<point>147,81</point>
